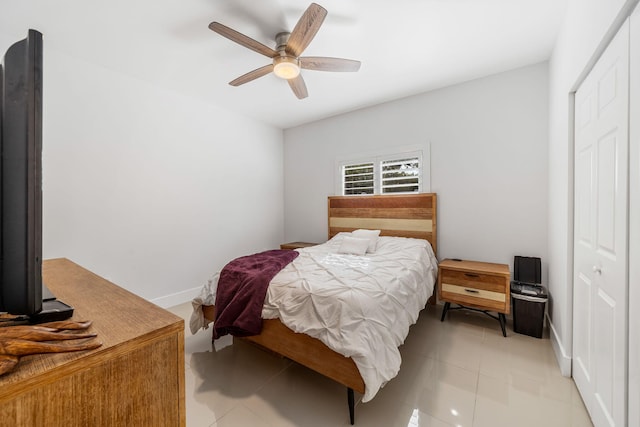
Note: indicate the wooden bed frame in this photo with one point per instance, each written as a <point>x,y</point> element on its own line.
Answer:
<point>406,215</point>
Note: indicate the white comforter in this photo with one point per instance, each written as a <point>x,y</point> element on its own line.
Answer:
<point>359,306</point>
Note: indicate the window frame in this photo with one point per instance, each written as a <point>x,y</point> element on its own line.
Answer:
<point>422,152</point>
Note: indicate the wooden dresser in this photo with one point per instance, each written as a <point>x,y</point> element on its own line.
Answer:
<point>477,285</point>
<point>135,379</point>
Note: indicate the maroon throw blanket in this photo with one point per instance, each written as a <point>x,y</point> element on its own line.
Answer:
<point>242,288</point>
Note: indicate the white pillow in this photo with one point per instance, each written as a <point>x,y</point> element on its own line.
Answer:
<point>371,235</point>
<point>353,245</point>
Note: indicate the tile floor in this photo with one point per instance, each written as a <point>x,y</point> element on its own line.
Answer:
<point>460,372</point>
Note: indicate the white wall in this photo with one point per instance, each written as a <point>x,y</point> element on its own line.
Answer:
<point>587,22</point>
<point>488,142</point>
<point>148,188</point>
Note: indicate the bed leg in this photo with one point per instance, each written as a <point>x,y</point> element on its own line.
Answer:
<point>350,400</point>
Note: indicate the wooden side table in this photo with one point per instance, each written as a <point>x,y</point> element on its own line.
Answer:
<point>296,245</point>
<point>474,285</point>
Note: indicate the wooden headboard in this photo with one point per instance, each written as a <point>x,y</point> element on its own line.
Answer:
<point>401,215</point>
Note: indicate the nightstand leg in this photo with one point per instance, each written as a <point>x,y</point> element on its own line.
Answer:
<point>444,310</point>
<point>503,322</point>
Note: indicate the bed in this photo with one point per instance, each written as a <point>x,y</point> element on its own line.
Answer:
<point>408,216</point>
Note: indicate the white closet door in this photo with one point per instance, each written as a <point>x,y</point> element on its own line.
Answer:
<point>634,223</point>
<point>600,235</point>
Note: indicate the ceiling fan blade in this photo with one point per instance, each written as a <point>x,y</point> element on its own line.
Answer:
<point>321,63</point>
<point>306,29</point>
<point>243,40</point>
<point>252,75</point>
<point>298,87</point>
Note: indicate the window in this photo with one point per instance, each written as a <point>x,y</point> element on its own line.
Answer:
<point>358,179</point>
<point>382,174</point>
<point>400,175</point>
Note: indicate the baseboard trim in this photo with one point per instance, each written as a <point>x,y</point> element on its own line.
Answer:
<point>176,298</point>
<point>563,358</point>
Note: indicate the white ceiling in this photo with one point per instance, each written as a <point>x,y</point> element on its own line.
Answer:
<point>406,46</point>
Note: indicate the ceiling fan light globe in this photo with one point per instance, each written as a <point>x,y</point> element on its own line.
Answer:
<point>286,69</point>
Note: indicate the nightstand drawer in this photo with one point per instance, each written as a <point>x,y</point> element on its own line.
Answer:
<point>473,292</point>
<point>474,280</point>
<point>476,298</point>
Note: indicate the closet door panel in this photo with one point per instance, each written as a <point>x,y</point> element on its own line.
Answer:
<point>600,235</point>
<point>634,222</point>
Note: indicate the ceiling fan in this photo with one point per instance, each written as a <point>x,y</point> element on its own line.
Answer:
<point>286,59</point>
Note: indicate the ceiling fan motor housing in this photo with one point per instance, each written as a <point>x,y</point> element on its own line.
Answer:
<point>285,66</point>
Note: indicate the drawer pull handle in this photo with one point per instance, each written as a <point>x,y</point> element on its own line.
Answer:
<point>471,275</point>
<point>472,291</point>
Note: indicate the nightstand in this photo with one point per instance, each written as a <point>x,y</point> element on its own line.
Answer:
<point>473,285</point>
<point>296,245</point>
